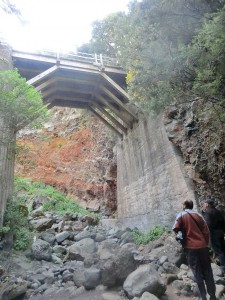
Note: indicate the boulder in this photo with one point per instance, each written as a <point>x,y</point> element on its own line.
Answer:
<point>82,249</point>
<point>117,267</point>
<point>14,291</point>
<point>41,250</point>
<point>144,279</point>
<point>42,224</point>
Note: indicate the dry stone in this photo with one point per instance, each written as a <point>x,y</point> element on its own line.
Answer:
<point>144,279</point>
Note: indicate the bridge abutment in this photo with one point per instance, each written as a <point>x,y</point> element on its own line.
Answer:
<point>151,185</point>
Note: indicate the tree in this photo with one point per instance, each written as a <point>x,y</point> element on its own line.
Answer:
<point>20,104</point>
<point>205,58</point>
<point>149,42</point>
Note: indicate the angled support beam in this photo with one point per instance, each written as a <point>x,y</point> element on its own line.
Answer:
<point>116,111</point>
<point>42,75</point>
<point>45,84</point>
<point>48,92</point>
<point>105,122</point>
<point>110,117</point>
<point>120,103</point>
<point>115,85</point>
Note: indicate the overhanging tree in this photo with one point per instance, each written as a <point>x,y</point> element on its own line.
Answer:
<point>149,42</point>
<point>20,104</point>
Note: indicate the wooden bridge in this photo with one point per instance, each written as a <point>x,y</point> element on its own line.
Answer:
<point>79,80</point>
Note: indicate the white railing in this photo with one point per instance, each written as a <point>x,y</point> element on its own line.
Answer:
<point>96,59</point>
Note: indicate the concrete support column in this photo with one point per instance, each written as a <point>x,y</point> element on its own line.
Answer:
<point>151,185</point>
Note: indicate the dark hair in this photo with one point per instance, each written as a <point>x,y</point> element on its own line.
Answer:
<point>210,201</point>
<point>188,204</point>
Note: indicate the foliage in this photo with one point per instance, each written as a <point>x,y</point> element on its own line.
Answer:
<point>152,43</point>
<point>16,222</point>
<point>205,59</point>
<point>57,202</point>
<point>152,235</point>
<point>20,103</point>
<point>103,36</point>
<point>16,215</point>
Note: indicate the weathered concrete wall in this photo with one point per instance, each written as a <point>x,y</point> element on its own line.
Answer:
<point>150,183</point>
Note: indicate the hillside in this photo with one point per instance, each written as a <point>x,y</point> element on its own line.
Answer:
<point>73,152</point>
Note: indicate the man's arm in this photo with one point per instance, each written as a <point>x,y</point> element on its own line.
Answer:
<point>177,226</point>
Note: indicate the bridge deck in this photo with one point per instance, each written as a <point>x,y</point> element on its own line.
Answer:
<point>79,81</point>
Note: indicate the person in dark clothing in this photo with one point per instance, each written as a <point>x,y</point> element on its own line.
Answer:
<point>216,223</point>
<point>196,248</point>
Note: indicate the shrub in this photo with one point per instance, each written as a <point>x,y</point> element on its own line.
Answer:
<point>16,222</point>
<point>153,234</point>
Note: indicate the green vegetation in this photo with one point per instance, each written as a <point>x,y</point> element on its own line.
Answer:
<point>20,103</point>
<point>56,202</point>
<point>172,50</point>
<point>152,235</point>
<point>16,215</point>
<point>16,223</point>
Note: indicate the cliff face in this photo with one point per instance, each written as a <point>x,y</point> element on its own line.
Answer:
<point>74,154</point>
<point>198,135</point>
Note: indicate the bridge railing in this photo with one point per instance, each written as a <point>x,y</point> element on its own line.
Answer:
<point>97,59</point>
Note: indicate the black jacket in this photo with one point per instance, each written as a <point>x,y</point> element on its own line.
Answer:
<point>214,219</point>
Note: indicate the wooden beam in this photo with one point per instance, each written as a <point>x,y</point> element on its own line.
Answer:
<point>110,117</point>
<point>71,98</point>
<point>76,80</point>
<point>41,76</point>
<point>120,103</point>
<point>48,92</point>
<point>73,68</point>
<point>71,104</point>
<point>45,84</point>
<point>115,85</point>
<point>105,122</point>
<point>115,110</point>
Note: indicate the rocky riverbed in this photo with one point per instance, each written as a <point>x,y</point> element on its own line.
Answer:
<point>71,257</point>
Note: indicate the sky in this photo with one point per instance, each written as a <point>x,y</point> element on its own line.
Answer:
<point>60,25</point>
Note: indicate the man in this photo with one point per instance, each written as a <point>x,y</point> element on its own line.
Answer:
<point>216,224</point>
<point>196,248</point>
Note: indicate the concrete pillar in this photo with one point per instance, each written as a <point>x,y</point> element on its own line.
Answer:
<point>151,185</point>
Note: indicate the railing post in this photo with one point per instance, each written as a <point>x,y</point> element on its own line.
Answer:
<point>96,58</point>
<point>57,57</point>
<point>101,59</point>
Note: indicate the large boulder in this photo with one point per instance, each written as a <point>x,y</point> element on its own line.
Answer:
<point>42,223</point>
<point>117,267</point>
<point>81,249</point>
<point>41,250</point>
<point>144,279</point>
<point>13,290</point>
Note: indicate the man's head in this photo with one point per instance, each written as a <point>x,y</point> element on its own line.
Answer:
<point>188,204</point>
<point>209,203</point>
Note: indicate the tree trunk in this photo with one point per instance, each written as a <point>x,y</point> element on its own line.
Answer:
<point>7,143</point>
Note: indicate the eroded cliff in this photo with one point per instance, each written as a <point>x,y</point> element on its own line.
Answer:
<point>198,135</point>
<point>73,152</point>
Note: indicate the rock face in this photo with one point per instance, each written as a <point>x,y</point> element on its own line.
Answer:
<point>74,154</point>
<point>199,137</point>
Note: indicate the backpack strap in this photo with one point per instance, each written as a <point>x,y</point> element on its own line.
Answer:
<point>194,220</point>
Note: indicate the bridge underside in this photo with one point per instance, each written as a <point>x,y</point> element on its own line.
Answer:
<point>79,84</point>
